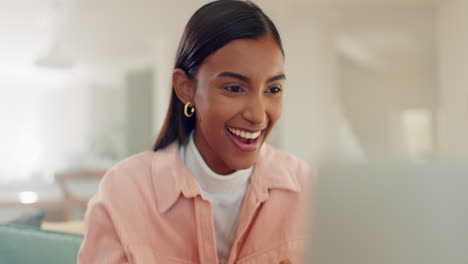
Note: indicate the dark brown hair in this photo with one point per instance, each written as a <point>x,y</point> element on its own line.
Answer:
<point>209,29</point>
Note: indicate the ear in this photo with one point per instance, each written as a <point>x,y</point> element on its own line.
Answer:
<point>183,86</point>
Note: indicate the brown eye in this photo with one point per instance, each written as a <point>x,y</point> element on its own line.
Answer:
<point>234,88</point>
<point>273,90</point>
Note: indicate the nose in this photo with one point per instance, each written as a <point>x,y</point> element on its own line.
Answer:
<point>255,110</point>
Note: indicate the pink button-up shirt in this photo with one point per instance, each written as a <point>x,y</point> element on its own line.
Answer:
<point>150,209</point>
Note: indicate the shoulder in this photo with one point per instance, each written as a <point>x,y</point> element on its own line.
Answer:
<point>129,177</point>
<point>278,158</point>
<point>135,174</point>
<point>130,168</point>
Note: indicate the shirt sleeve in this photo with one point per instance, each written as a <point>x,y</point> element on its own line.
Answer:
<point>101,242</point>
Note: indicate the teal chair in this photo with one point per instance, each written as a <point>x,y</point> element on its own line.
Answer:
<point>27,244</point>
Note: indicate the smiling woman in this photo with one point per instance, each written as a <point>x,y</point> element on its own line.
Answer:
<point>211,190</point>
<point>237,94</point>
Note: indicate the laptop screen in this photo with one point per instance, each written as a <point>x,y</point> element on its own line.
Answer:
<point>391,214</point>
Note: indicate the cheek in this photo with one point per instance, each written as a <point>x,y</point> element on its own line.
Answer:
<point>214,112</point>
<point>275,109</point>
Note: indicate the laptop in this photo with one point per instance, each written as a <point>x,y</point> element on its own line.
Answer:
<point>391,214</point>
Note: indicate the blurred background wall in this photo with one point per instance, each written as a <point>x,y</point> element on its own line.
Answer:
<point>85,83</point>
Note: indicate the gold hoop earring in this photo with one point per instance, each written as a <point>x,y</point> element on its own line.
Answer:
<point>186,110</point>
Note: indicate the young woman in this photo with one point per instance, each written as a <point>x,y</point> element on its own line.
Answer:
<point>211,190</point>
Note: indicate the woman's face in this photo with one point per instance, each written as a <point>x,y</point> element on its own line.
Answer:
<point>238,100</point>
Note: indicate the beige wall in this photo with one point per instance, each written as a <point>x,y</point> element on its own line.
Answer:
<point>453,73</point>
<point>373,101</point>
<point>311,114</point>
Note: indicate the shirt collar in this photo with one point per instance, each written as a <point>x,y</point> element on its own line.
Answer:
<point>273,170</point>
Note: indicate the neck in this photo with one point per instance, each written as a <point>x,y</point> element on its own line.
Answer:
<point>214,162</point>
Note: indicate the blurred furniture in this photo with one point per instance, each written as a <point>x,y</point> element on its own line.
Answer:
<point>22,216</point>
<point>77,188</point>
<point>75,227</point>
<point>25,244</point>
<point>46,205</point>
<point>48,195</point>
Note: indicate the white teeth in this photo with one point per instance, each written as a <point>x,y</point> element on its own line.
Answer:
<point>244,134</point>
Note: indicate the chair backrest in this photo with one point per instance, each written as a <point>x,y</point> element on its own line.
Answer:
<point>26,244</point>
<point>71,199</point>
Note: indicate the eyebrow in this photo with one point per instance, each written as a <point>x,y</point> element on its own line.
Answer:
<point>246,79</point>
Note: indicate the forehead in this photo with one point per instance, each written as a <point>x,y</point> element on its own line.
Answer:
<point>250,57</point>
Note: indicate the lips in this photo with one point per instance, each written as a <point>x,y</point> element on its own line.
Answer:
<point>245,140</point>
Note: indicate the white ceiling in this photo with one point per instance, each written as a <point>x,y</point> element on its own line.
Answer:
<point>84,30</point>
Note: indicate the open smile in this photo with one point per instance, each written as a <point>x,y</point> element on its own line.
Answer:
<point>245,140</point>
